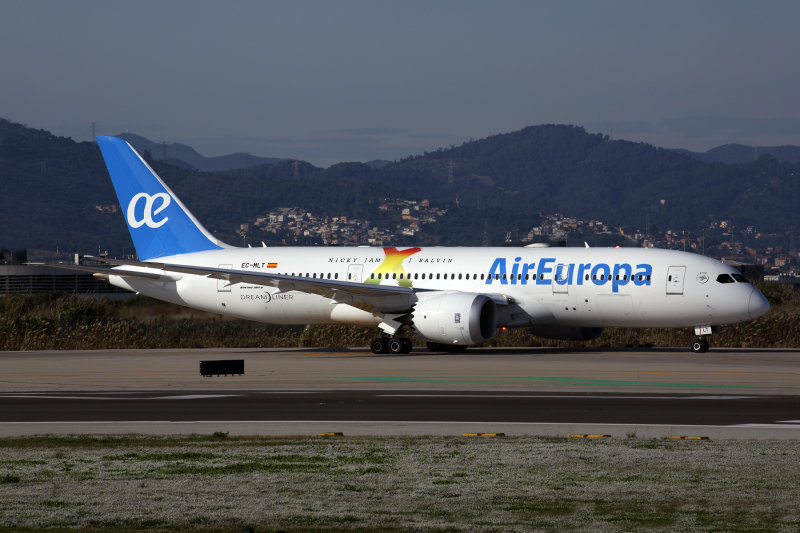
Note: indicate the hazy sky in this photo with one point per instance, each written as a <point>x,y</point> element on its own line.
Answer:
<point>339,80</point>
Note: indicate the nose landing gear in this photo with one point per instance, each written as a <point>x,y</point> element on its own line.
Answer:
<point>700,344</point>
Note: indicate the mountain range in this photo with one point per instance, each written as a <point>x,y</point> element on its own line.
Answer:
<point>54,189</point>
<point>187,157</point>
<point>740,153</point>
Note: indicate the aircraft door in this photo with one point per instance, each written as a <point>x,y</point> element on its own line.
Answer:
<point>355,273</point>
<point>675,275</point>
<point>561,279</point>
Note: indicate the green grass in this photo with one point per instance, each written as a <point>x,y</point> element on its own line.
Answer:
<point>202,483</point>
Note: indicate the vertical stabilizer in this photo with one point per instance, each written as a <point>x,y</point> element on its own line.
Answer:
<point>159,224</point>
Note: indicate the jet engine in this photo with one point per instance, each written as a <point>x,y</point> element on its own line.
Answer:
<point>455,318</point>
<point>566,333</point>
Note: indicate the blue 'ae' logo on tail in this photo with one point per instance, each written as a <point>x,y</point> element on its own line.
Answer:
<point>159,224</point>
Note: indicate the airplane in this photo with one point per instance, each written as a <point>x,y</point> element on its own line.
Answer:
<point>450,297</point>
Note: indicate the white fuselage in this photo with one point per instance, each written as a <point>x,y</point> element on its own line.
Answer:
<point>593,287</point>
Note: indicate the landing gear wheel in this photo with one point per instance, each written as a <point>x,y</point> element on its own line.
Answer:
<point>407,346</point>
<point>395,346</point>
<point>378,345</point>
<point>700,346</point>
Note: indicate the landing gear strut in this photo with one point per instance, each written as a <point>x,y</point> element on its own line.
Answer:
<point>392,345</point>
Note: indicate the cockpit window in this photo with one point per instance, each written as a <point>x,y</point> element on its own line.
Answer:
<point>725,278</point>
<point>740,278</point>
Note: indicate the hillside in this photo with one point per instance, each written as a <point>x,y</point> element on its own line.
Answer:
<point>734,154</point>
<point>52,187</point>
<point>564,169</point>
<point>181,155</point>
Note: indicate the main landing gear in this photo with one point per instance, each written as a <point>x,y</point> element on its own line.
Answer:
<point>392,345</point>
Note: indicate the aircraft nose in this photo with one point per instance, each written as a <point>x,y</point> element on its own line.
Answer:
<point>758,304</point>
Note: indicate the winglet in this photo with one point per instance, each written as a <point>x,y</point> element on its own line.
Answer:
<point>159,224</point>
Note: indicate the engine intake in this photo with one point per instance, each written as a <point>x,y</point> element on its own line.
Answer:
<point>457,318</point>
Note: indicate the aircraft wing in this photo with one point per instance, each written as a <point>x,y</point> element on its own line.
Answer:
<point>97,269</point>
<point>329,288</point>
<point>362,295</point>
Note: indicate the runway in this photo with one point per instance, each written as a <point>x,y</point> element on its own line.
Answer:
<point>730,394</point>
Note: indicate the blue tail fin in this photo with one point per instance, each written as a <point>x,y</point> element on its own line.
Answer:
<point>159,223</point>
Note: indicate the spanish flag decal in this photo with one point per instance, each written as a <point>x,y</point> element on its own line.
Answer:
<point>272,265</point>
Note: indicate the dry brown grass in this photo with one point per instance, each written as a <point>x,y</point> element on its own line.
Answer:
<point>53,321</point>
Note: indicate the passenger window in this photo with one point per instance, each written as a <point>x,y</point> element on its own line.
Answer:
<point>379,275</point>
<point>437,276</point>
<point>482,276</point>
<point>394,276</point>
<point>725,278</point>
<point>372,276</point>
<point>336,276</point>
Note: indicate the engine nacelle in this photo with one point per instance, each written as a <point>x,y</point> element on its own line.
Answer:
<point>566,333</point>
<point>455,318</point>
